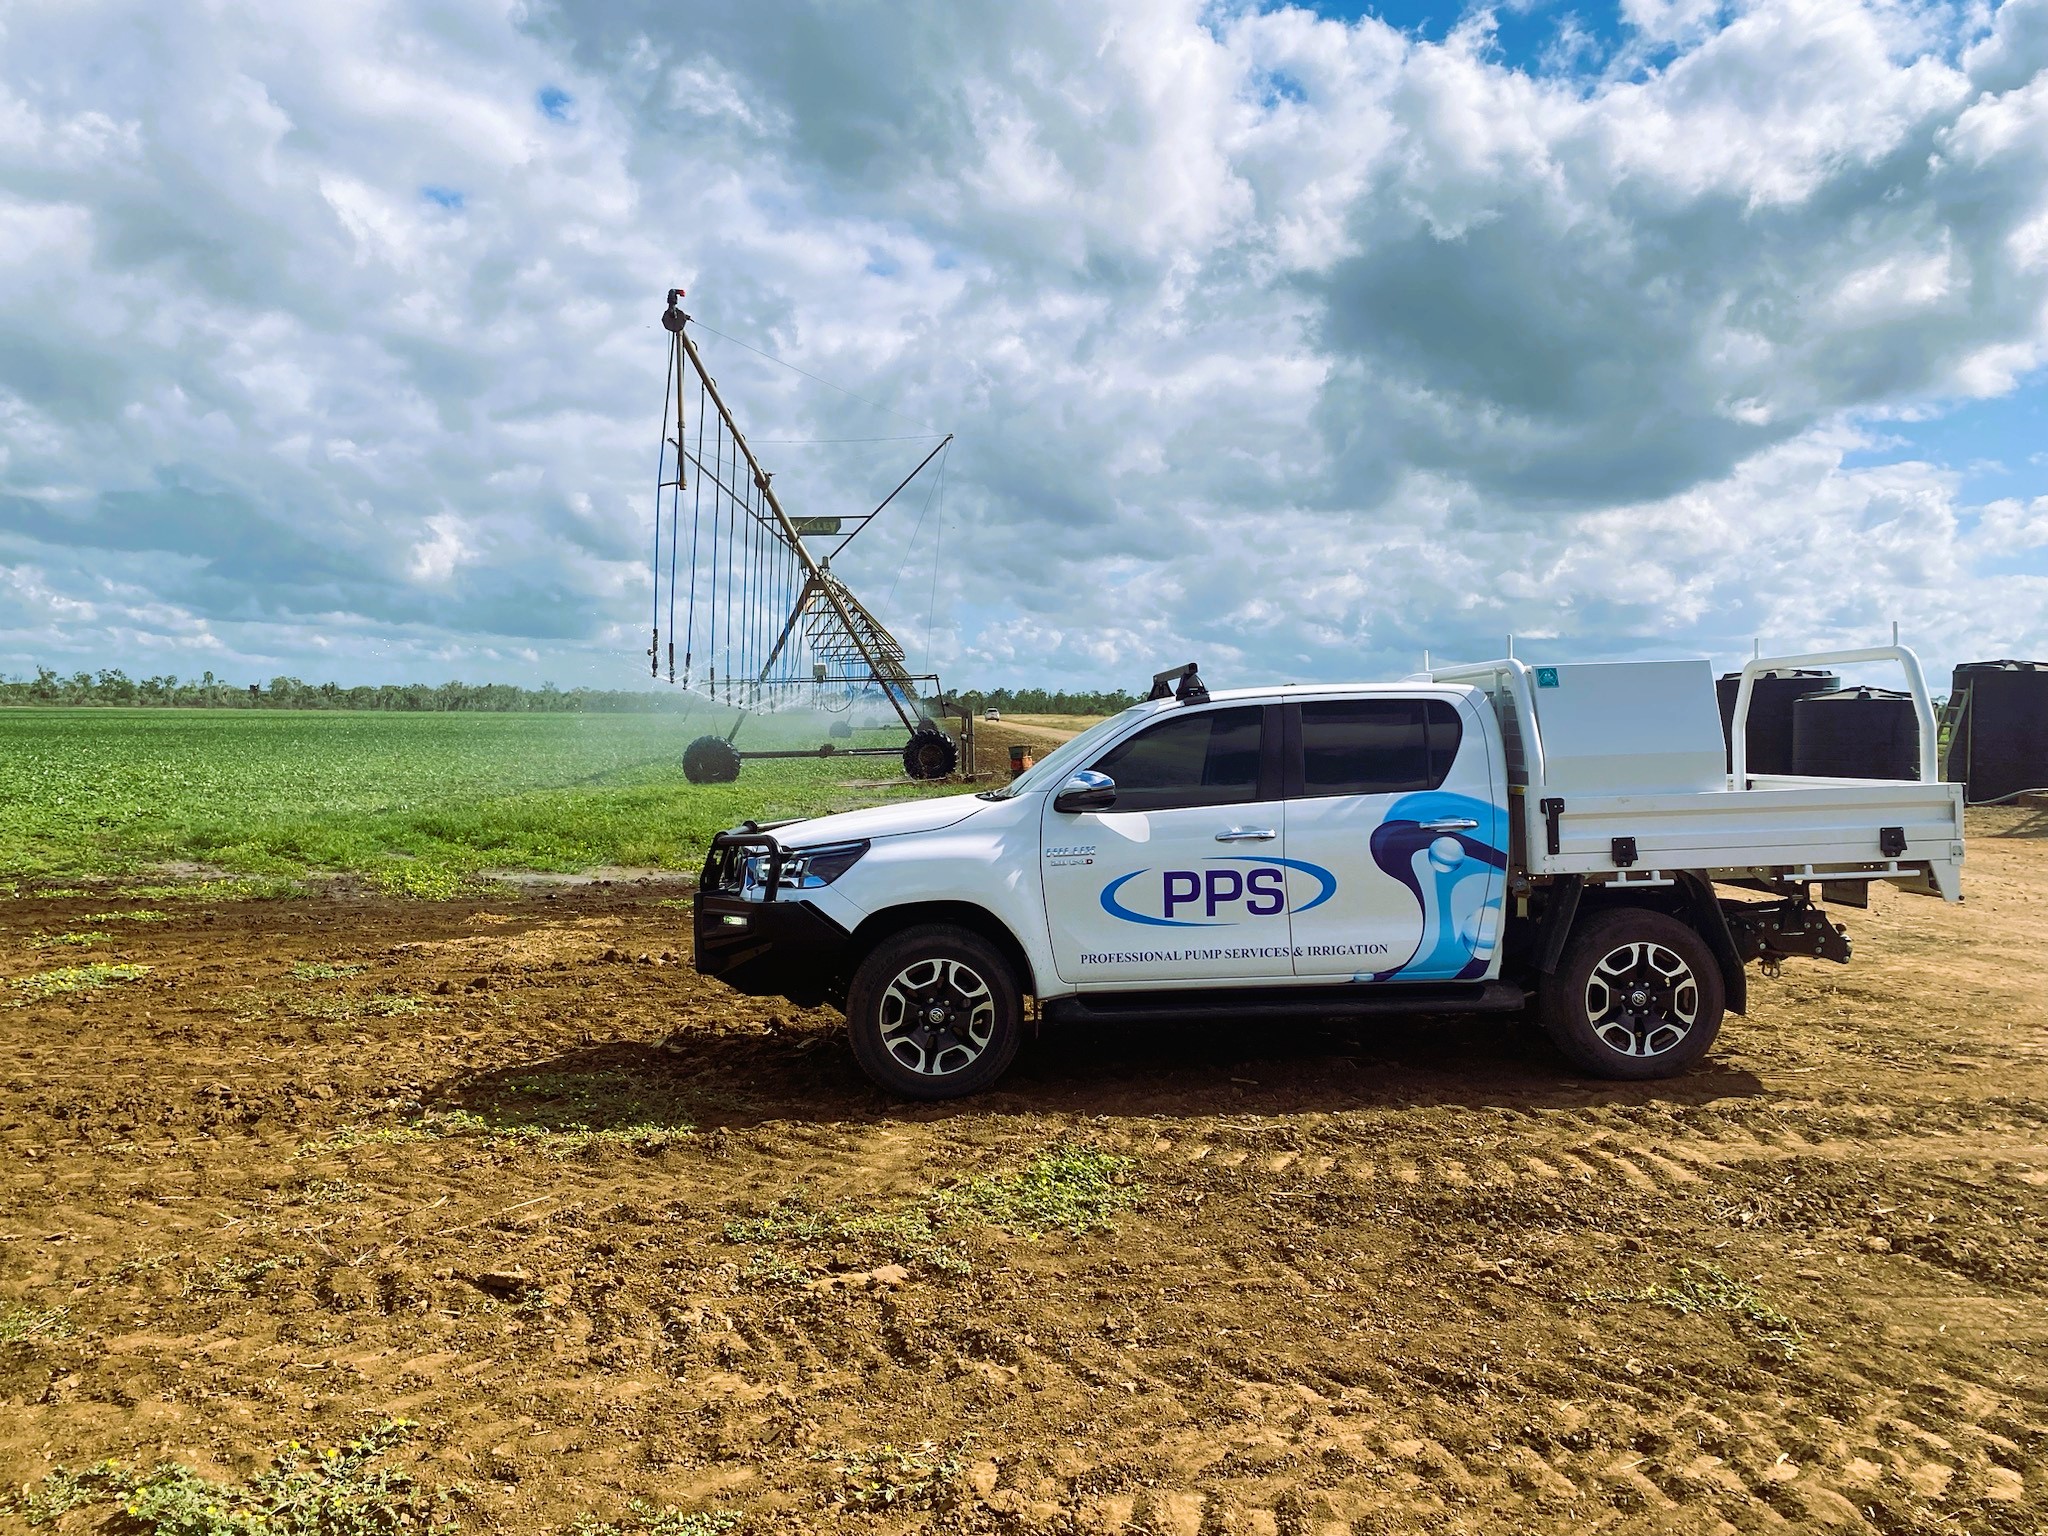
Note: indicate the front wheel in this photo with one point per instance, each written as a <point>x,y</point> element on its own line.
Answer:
<point>934,1013</point>
<point>1638,996</point>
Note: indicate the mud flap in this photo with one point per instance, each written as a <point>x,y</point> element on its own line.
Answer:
<point>1710,919</point>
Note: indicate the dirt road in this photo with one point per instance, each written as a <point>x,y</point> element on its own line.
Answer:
<point>509,1169</point>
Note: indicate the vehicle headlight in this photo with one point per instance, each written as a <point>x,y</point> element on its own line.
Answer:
<point>804,869</point>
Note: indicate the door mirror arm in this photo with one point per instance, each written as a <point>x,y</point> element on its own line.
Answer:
<point>1085,790</point>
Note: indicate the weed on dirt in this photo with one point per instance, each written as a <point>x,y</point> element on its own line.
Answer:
<point>323,970</point>
<point>909,1235</point>
<point>304,1492</point>
<point>20,1324</point>
<point>71,978</point>
<point>1698,1289</point>
<point>55,940</point>
<point>1068,1188</point>
<point>894,1477</point>
<point>551,1127</point>
<point>643,1519</point>
<point>229,1277</point>
<point>345,1009</point>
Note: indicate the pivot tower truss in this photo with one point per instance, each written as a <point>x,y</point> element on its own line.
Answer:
<point>745,612</point>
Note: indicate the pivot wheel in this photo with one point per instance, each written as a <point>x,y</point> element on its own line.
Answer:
<point>1639,995</point>
<point>929,754</point>
<point>711,760</point>
<point>934,1013</point>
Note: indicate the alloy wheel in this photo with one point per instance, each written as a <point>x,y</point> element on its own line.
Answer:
<point>937,1017</point>
<point>1642,999</point>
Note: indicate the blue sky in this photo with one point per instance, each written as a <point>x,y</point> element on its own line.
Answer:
<point>1300,340</point>
<point>1549,35</point>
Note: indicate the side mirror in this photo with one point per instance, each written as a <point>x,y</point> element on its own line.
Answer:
<point>1086,790</point>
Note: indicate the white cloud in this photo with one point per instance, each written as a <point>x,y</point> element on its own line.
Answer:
<point>1304,345</point>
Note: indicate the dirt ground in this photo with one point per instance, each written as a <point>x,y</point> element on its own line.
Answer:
<point>508,1179</point>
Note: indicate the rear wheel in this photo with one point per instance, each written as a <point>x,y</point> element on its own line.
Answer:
<point>929,754</point>
<point>934,1013</point>
<point>711,760</point>
<point>1638,995</point>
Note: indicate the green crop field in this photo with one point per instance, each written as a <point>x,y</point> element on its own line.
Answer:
<point>415,802</point>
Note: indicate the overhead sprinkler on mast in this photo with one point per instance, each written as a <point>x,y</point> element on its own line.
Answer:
<point>765,625</point>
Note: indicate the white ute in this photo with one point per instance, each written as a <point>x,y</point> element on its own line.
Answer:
<point>1473,838</point>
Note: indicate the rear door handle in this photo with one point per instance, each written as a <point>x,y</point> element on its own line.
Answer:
<point>1449,824</point>
<point>1249,835</point>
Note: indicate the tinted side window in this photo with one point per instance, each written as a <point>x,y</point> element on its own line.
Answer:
<point>1211,758</point>
<point>1377,746</point>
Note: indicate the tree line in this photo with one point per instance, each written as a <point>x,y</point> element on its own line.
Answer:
<point>113,687</point>
<point>1037,701</point>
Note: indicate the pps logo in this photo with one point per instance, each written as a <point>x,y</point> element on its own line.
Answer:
<point>1215,897</point>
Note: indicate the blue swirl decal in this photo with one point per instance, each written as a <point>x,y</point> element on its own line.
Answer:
<point>1454,877</point>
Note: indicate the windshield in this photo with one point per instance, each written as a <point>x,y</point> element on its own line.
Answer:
<point>1050,771</point>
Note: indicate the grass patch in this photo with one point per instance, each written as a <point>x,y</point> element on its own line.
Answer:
<point>894,1477</point>
<point>53,940</point>
<point>18,1325</point>
<point>1069,1188</point>
<point>909,1235</point>
<point>347,1008</point>
<point>323,970</point>
<point>72,978</point>
<point>553,1120</point>
<point>238,888</point>
<point>1698,1289</point>
<point>139,915</point>
<point>341,1491</point>
<point>773,1269</point>
<point>643,1519</point>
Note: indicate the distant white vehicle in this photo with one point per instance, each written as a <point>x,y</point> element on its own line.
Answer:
<point>1473,839</point>
<point>991,714</point>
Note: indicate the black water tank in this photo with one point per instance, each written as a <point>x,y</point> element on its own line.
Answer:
<point>1768,746</point>
<point>2001,744</point>
<point>1856,733</point>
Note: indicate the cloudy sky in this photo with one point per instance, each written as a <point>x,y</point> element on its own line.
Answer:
<point>1298,340</point>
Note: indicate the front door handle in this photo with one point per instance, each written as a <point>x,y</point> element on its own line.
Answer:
<point>1249,835</point>
<point>1449,824</point>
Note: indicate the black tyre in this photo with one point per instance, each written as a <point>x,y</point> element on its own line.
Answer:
<point>930,755</point>
<point>935,1013</point>
<point>711,760</point>
<point>1638,995</point>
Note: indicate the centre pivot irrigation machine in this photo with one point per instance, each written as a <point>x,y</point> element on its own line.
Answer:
<point>766,627</point>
